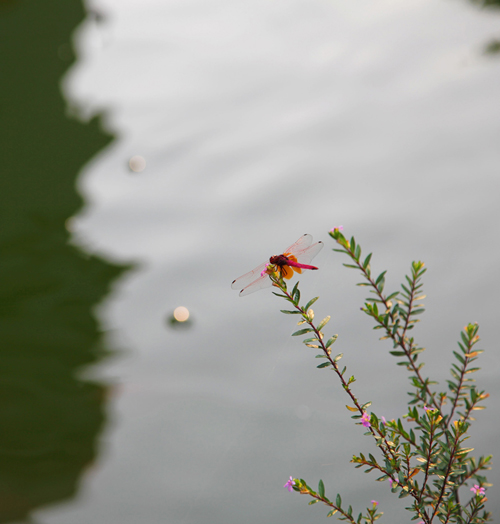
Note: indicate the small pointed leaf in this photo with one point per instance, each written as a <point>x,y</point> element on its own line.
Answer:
<point>321,489</point>
<point>331,340</point>
<point>301,332</point>
<point>310,303</point>
<point>323,323</point>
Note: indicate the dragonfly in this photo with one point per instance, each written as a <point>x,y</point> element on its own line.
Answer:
<point>295,258</point>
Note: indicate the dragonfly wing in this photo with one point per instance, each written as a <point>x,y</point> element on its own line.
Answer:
<point>261,283</point>
<point>302,243</point>
<point>306,255</point>
<point>249,277</point>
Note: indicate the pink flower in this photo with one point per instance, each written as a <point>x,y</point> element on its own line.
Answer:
<point>264,271</point>
<point>427,408</point>
<point>374,502</point>
<point>366,420</point>
<point>289,484</point>
<point>478,490</point>
<point>337,228</point>
<point>384,422</point>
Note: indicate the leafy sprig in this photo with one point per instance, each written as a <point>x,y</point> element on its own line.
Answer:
<point>428,440</point>
<point>343,514</point>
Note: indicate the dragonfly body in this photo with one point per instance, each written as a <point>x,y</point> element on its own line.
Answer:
<point>283,260</point>
<point>294,258</point>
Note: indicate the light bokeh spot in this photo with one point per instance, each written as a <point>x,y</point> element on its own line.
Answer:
<point>137,163</point>
<point>181,314</point>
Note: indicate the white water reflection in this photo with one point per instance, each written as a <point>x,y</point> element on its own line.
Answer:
<point>260,122</point>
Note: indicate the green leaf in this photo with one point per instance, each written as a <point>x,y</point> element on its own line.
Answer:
<point>338,501</point>
<point>315,501</point>
<point>324,365</point>
<point>310,303</point>
<point>380,277</point>
<point>321,489</point>
<point>367,261</point>
<point>332,513</point>
<point>290,312</point>
<point>301,332</point>
<point>464,450</point>
<point>323,323</point>
<point>331,341</point>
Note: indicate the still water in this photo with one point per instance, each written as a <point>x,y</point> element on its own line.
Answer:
<point>258,122</point>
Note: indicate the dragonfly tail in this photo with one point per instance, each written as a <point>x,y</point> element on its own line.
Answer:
<point>302,266</point>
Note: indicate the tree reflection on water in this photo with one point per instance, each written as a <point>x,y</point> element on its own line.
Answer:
<point>50,419</point>
<point>492,47</point>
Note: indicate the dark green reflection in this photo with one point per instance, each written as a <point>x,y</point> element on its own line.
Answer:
<point>492,47</point>
<point>487,3</point>
<point>49,419</point>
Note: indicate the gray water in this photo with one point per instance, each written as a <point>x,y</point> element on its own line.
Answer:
<point>259,122</point>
